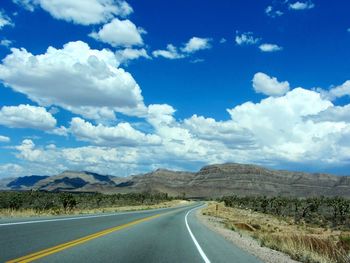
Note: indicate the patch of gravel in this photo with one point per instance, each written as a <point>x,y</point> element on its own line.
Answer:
<point>244,241</point>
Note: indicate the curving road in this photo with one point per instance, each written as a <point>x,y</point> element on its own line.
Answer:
<point>161,235</point>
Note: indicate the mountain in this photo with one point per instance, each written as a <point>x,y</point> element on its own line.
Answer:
<point>21,183</point>
<point>78,181</point>
<point>210,181</point>
<point>255,180</point>
<point>240,179</point>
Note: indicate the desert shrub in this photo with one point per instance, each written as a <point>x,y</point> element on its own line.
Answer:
<point>56,201</point>
<point>306,248</point>
<point>326,212</point>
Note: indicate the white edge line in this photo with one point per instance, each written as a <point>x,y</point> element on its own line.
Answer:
<point>200,250</point>
<point>56,219</point>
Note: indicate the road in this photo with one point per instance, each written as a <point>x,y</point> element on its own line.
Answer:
<point>162,235</point>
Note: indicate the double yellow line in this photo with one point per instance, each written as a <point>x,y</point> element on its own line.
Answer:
<point>55,249</point>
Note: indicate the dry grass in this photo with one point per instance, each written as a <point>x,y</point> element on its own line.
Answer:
<point>6,213</point>
<point>302,242</point>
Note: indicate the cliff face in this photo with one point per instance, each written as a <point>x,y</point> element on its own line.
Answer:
<point>210,181</point>
<point>238,179</point>
<point>254,180</point>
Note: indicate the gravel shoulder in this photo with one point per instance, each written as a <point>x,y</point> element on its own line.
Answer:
<point>243,240</point>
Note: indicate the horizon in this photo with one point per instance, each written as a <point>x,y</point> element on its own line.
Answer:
<point>127,87</point>
<point>189,171</point>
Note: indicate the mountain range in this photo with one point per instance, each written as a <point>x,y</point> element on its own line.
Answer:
<point>209,182</point>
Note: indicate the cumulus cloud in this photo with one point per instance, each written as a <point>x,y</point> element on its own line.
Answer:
<point>299,127</point>
<point>5,20</point>
<point>4,139</point>
<point>170,52</point>
<point>28,152</point>
<point>227,132</point>
<point>266,47</point>
<point>246,38</point>
<point>122,134</point>
<point>291,126</point>
<point>84,12</point>
<point>337,91</point>
<point>195,44</point>
<point>334,114</point>
<point>51,159</point>
<point>270,86</point>
<point>27,116</point>
<point>301,5</point>
<point>119,33</point>
<point>82,80</point>
<point>284,130</point>
<point>127,54</point>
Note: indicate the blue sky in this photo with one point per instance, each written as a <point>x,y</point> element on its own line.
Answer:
<point>126,87</point>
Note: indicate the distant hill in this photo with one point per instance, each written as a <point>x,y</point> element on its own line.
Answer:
<point>22,183</point>
<point>78,181</point>
<point>210,181</point>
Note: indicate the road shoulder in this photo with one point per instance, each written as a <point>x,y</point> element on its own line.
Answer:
<point>243,241</point>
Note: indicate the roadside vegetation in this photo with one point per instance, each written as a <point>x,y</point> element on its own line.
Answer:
<point>309,230</point>
<point>31,203</point>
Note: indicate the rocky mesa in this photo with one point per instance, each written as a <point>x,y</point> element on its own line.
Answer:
<point>209,182</point>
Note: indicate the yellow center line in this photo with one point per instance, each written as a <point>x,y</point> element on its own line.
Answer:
<point>55,249</point>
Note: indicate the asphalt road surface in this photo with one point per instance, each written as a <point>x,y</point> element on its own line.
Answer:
<point>162,235</point>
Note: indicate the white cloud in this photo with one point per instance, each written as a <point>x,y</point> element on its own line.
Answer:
<point>269,47</point>
<point>334,114</point>
<point>197,60</point>
<point>283,129</point>
<point>277,130</point>
<point>122,134</point>
<point>301,5</point>
<point>160,114</point>
<point>337,91</point>
<point>52,160</point>
<point>270,86</point>
<point>127,54</point>
<point>348,30</point>
<point>6,43</point>
<point>61,131</point>
<point>26,4</point>
<point>227,132</point>
<point>11,170</point>
<point>195,44</point>
<point>246,38</point>
<point>4,139</point>
<point>5,20</point>
<point>27,116</point>
<point>82,80</point>
<point>85,12</point>
<point>28,152</point>
<point>119,33</point>
<point>223,40</point>
<point>171,52</point>
<point>297,126</point>
<point>270,11</point>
